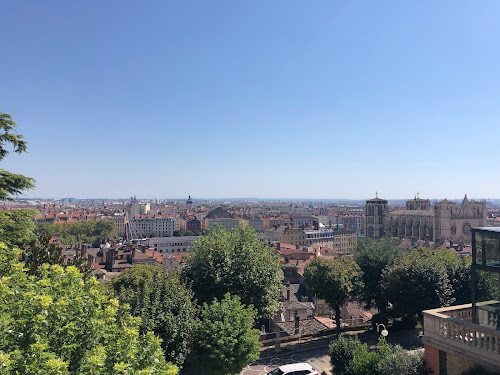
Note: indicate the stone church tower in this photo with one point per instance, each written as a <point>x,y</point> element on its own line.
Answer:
<point>453,223</point>
<point>376,217</point>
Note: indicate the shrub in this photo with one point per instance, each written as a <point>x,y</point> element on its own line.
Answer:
<point>349,356</point>
<point>403,362</point>
<point>341,353</point>
<point>365,362</point>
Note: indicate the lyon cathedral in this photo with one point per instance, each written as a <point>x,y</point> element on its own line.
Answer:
<point>444,221</point>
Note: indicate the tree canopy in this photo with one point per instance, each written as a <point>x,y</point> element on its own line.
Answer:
<point>224,340</point>
<point>11,184</point>
<point>17,227</point>
<point>373,257</point>
<point>333,281</point>
<point>84,232</point>
<point>164,305</point>
<point>416,282</point>
<point>59,323</point>
<point>235,262</point>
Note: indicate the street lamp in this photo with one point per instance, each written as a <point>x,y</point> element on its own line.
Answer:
<point>384,331</point>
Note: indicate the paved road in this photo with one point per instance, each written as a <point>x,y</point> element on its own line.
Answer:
<point>319,358</point>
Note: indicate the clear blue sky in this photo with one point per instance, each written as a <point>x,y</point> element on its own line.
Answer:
<point>255,98</point>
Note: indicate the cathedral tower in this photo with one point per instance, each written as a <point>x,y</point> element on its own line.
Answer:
<point>376,217</point>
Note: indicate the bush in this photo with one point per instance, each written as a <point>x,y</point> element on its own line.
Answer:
<point>349,356</point>
<point>365,362</point>
<point>341,353</point>
<point>403,362</point>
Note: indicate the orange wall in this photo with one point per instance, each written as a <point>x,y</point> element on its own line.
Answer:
<point>432,359</point>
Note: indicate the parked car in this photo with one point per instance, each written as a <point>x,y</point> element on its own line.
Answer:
<point>294,369</point>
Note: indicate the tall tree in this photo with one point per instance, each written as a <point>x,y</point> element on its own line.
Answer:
<point>235,262</point>
<point>333,281</point>
<point>416,282</point>
<point>224,340</point>
<point>58,323</point>
<point>11,184</point>
<point>373,257</point>
<point>164,305</point>
<point>459,270</point>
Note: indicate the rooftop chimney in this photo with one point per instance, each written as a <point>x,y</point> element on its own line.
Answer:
<point>297,323</point>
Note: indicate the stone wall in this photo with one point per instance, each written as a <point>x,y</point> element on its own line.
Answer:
<point>455,365</point>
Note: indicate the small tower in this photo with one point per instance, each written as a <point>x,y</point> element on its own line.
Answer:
<point>376,214</point>
<point>189,204</point>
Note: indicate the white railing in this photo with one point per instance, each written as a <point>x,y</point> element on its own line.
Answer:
<point>451,327</point>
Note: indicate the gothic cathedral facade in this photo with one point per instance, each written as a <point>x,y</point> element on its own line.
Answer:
<point>444,221</point>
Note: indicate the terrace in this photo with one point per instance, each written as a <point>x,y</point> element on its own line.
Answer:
<point>458,337</point>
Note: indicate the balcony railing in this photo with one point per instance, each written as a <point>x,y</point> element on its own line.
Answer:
<point>451,329</point>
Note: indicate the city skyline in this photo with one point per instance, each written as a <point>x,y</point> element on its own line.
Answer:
<point>253,99</point>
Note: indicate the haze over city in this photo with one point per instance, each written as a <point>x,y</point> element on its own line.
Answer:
<point>258,99</point>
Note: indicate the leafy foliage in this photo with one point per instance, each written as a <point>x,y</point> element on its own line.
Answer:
<point>341,353</point>
<point>373,257</point>
<point>8,259</point>
<point>459,276</point>
<point>181,233</point>
<point>349,356</point>
<point>58,323</point>
<point>17,227</point>
<point>10,183</point>
<point>41,251</point>
<point>427,277</point>
<point>403,362</point>
<point>224,340</point>
<point>84,232</point>
<point>235,262</point>
<point>164,305</point>
<point>333,281</point>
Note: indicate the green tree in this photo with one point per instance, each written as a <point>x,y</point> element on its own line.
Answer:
<point>224,340</point>
<point>459,276</point>
<point>17,227</point>
<point>10,183</point>
<point>41,251</point>
<point>58,323</point>
<point>89,231</point>
<point>164,305</point>
<point>235,262</point>
<point>373,257</point>
<point>178,233</point>
<point>417,281</point>
<point>333,281</point>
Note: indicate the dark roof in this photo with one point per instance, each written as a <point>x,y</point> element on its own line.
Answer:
<point>309,326</point>
<point>219,213</point>
<point>376,200</point>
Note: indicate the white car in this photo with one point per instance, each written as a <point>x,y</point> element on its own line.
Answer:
<point>294,369</point>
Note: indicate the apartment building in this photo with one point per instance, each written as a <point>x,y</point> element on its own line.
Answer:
<point>171,245</point>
